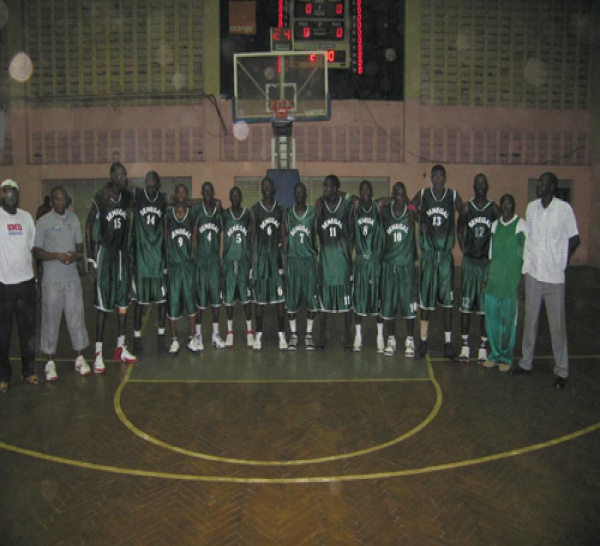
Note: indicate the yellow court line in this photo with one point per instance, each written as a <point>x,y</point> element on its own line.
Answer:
<point>277,381</point>
<point>541,357</point>
<point>257,462</point>
<point>436,359</point>
<point>313,479</point>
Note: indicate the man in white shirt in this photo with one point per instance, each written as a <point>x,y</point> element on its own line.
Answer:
<point>552,237</point>
<point>17,285</point>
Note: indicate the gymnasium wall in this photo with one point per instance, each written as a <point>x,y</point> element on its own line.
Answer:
<point>495,86</point>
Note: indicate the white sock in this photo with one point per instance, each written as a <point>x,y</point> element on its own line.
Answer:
<point>98,347</point>
<point>120,341</point>
<point>380,329</point>
<point>424,327</point>
<point>137,333</point>
<point>249,325</point>
<point>161,331</point>
<point>309,326</point>
<point>199,330</point>
<point>293,326</point>
<point>465,339</point>
<point>358,328</point>
<point>448,337</point>
<point>215,327</point>
<point>229,325</point>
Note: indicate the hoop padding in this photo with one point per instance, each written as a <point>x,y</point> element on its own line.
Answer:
<point>281,108</point>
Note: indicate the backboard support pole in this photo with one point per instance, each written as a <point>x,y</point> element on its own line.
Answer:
<point>283,146</point>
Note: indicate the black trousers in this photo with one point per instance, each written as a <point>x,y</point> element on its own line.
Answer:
<point>18,300</point>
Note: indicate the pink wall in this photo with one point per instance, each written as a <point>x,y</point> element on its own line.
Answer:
<point>396,140</point>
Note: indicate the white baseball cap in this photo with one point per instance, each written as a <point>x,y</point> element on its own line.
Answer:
<point>9,183</point>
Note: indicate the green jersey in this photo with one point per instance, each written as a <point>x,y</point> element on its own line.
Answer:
<point>436,223</point>
<point>148,234</point>
<point>508,241</point>
<point>335,258</point>
<point>368,241</point>
<point>399,236</point>
<point>477,230</point>
<point>301,236</point>
<point>236,231</point>
<point>180,245</point>
<point>266,260</point>
<point>209,226</point>
<point>113,217</point>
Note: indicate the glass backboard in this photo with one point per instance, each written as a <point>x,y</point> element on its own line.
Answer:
<point>281,86</point>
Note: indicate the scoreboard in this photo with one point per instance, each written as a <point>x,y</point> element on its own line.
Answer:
<point>322,25</point>
<point>334,26</point>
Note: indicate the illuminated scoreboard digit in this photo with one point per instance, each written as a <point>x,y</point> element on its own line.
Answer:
<point>322,25</point>
<point>281,39</point>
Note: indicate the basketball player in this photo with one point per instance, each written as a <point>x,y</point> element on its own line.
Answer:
<point>334,228</point>
<point>398,270</point>
<point>207,240</point>
<point>368,248</point>
<point>179,243</point>
<point>108,254</point>
<point>149,282</point>
<point>237,255</point>
<point>300,246</point>
<point>474,234</point>
<point>267,266</point>
<point>437,207</point>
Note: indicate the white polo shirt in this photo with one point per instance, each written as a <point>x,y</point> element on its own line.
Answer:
<point>17,233</point>
<point>547,243</point>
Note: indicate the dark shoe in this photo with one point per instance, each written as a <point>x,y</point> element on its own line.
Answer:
<point>161,346</point>
<point>449,351</point>
<point>32,380</point>
<point>138,347</point>
<point>4,387</point>
<point>559,382</point>
<point>422,349</point>
<point>517,370</point>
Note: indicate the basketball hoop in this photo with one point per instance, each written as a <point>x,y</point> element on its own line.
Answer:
<point>281,108</point>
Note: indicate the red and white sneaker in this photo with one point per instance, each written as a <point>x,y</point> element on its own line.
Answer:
<point>50,371</point>
<point>82,367</point>
<point>229,339</point>
<point>250,339</point>
<point>99,366</point>
<point>122,354</point>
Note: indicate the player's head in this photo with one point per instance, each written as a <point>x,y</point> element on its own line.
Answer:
<point>267,187</point>
<point>118,175</point>
<point>365,190</point>
<point>208,191</point>
<point>546,184</point>
<point>331,186</point>
<point>399,193</point>
<point>235,196</point>
<point>152,184</point>
<point>438,176</point>
<point>59,199</point>
<point>507,206</point>
<point>181,193</point>
<point>480,185</point>
<point>300,193</point>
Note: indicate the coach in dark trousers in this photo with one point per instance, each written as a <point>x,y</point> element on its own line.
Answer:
<point>18,294</point>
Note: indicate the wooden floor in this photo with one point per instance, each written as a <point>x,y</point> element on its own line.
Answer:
<point>240,448</point>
